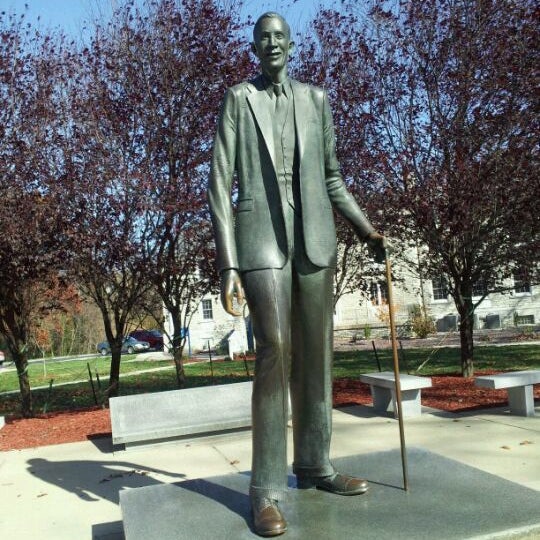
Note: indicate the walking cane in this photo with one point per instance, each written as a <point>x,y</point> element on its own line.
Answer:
<point>396,373</point>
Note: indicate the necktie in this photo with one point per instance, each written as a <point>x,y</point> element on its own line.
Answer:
<point>281,105</point>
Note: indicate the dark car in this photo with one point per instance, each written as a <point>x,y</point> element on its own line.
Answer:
<point>153,337</point>
<point>130,346</point>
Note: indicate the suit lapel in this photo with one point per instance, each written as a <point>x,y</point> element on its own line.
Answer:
<point>258,100</point>
<point>301,112</point>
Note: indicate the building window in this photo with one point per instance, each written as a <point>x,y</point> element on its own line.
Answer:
<point>521,283</point>
<point>378,294</point>
<point>480,288</point>
<point>523,319</point>
<point>440,288</point>
<point>207,312</point>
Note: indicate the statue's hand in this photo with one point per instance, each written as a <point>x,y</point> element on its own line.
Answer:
<point>378,244</point>
<point>231,287</point>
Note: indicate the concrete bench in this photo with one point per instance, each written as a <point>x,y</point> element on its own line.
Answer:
<point>148,419</point>
<point>518,384</point>
<point>383,391</point>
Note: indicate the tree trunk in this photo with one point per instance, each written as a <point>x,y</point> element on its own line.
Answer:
<point>16,342</point>
<point>21,363</point>
<point>466,325</point>
<point>114,374</point>
<point>178,342</point>
<point>179,364</point>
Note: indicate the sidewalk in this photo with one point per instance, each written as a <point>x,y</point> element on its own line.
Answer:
<point>71,491</point>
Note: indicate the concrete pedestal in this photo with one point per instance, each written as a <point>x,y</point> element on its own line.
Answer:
<point>447,501</point>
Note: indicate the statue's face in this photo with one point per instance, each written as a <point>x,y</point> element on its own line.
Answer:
<point>272,45</point>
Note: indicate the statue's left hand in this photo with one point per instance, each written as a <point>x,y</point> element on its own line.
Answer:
<point>378,244</point>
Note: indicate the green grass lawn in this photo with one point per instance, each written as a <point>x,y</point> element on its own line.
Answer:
<point>439,361</point>
<point>346,365</point>
<point>41,373</point>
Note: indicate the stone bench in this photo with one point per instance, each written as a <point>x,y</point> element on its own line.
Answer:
<point>148,419</point>
<point>518,384</point>
<point>383,391</point>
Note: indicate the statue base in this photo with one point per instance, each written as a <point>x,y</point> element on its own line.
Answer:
<point>447,500</point>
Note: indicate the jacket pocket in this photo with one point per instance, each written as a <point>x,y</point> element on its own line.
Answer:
<point>245,205</point>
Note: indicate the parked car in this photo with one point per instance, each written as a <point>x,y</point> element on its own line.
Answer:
<point>154,337</point>
<point>130,346</point>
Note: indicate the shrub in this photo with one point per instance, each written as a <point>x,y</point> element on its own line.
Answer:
<point>421,323</point>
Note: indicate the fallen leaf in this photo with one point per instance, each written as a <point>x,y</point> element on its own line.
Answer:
<point>234,462</point>
<point>135,471</point>
<point>505,447</point>
<point>111,477</point>
<point>42,495</point>
<point>525,442</point>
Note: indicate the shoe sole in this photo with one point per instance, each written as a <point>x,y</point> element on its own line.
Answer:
<point>308,484</point>
<point>269,534</point>
<point>344,493</point>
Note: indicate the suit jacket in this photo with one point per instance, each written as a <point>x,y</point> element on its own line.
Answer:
<point>254,236</point>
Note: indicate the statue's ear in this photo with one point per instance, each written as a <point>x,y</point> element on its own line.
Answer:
<point>292,46</point>
<point>254,48</point>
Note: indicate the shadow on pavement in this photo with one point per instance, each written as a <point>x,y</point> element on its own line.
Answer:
<point>95,480</point>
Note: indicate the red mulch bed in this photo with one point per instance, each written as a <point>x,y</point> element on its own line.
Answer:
<point>54,428</point>
<point>449,392</point>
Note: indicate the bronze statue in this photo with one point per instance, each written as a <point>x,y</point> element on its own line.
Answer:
<point>279,246</point>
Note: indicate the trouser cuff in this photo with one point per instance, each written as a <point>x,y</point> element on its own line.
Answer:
<point>324,470</point>
<point>277,494</point>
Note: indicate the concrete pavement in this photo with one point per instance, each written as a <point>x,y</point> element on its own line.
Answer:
<point>71,491</point>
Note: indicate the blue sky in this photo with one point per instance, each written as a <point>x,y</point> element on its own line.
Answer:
<point>73,15</point>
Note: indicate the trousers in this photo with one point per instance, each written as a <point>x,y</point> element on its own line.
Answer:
<point>291,309</point>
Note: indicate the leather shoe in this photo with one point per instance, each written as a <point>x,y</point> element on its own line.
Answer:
<point>341,484</point>
<point>267,517</point>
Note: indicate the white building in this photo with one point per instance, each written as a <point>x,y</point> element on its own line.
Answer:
<point>212,327</point>
<point>355,313</point>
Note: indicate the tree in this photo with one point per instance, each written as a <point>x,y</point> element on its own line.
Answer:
<point>144,112</point>
<point>176,59</point>
<point>104,187</point>
<point>327,58</point>
<point>32,228</point>
<point>452,85</point>
<point>55,333</point>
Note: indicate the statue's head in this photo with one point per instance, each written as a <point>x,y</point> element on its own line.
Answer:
<point>272,42</point>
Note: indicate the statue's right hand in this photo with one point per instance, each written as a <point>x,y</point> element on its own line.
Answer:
<point>231,287</point>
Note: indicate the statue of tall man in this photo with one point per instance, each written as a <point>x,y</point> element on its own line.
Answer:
<point>278,249</point>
